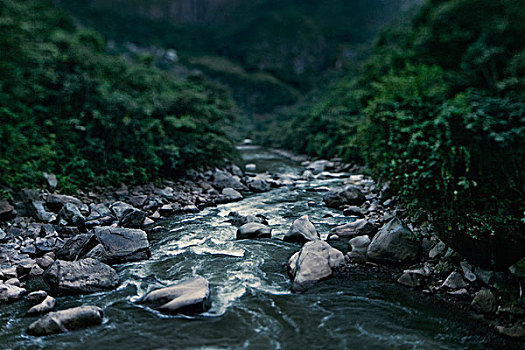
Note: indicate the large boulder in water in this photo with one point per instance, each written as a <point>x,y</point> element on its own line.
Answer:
<point>302,230</point>
<point>122,244</point>
<point>349,195</point>
<point>254,230</point>
<point>128,215</point>
<point>394,244</point>
<point>66,320</point>
<point>314,262</point>
<point>187,297</point>
<point>223,179</point>
<point>80,277</point>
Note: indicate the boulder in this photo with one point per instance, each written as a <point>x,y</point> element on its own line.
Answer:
<point>238,220</point>
<point>66,320</point>
<point>77,247</point>
<point>127,215</point>
<point>55,202</point>
<point>250,167</point>
<point>187,297</point>
<point>438,250</point>
<point>36,297</point>
<point>321,165</point>
<point>413,278</point>
<point>302,230</point>
<point>37,211</point>
<point>484,302</point>
<point>45,306</point>
<point>232,194</point>
<point>122,244</point>
<point>454,281</point>
<point>359,227</point>
<point>258,184</point>
<point>223,179</point>
<point>72,215</point>
<point>138,201</point>
<point>353,211</point>
<point>314,262</point>
<point>254,230</point>
<point>80,277</point>
<point>348,196</point>
<point>9,292</point>
<point>6,211</point>
<point>359,244</point>
<point>394,244</point>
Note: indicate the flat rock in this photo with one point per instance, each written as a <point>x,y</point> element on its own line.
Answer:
<point>232,194</point>
<point>66,320</point>
<point>36,297</point>
<point>253,230</point>
<point>9,292</point>
<point>122,244</point>
<point>80,277</point>
<point>314,262</point>
<point>187,297</point>
<point>302,230</point>
<point>359,227</point>
<point>394,244</point>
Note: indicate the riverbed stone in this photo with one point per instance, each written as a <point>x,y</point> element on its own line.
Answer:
<point>45,306</point>
<point>438,250</point>
<point>223,179</point>
<point>77,247</point>
<point>6,211</point>
<point>72,215</point>
<point>454,281</point>
<point>37,211</point>
<point>253,230</point>
<point>349,195</point>
<point>10,292</point>
<point>354,211</point>
<point>128,215</point>
<point>36,297</point>
<point>259,184</point>
<point>122,244</point>
<point>356,228</point>
<point>191,296</point>
<point>412,279</point>
<point>66,320</point>
<point>55,202</point>
<point>484,302</point>
<point>314,262</point>
<point>232,194</point>
<point>394,244</point>
<point>302,230</point>
<point>359,244</point>
<point>80,277</point>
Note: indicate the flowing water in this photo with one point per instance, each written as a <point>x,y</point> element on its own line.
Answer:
<point>253,307</point>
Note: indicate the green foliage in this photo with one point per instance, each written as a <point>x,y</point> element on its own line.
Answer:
<point>439,109</point>
<point>69,108</point>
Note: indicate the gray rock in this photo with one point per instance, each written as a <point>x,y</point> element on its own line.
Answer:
<point>314,262</point>
<point>238,220</point>
<point>138,201</point>
<point>80,277</point>
<point>356,257</point>
<point>454,281</point>
<point>302,230</point>
<point>258,184</point>
<point>36,297</point>
<point>359,227</point>
<point>187,297</point>
<point>122,244</point>
<point>6,211</point>
<point>51,179</point>
<point>394,244</point>
<point>438,250</point>
<point>484,302</point>
<point>254,230</point>
<point>72,215</point>
<point>66,320</point>
<point>250,167</point>
<point>360,244</point>
<point>9,292</point>
<point>55,202</point>
<point>354,211</point>
<point>232,194</point>
<point>467,271</point>
<point>516,331</point>
<point>223,179</point>
<point>412,279</point>
<point>127,215</point>
<point>13,282</point>
<point>319,166</point>
<point>349,195</point>
<point>37,211</point>
<point>77,247</point>
<point>45,306</point>
<point>46,260</point>
<point>3,235</point>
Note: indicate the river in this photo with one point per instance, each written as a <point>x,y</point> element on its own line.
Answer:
<point>253,307</point>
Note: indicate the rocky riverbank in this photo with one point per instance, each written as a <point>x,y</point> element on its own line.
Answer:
<point>72,243</point>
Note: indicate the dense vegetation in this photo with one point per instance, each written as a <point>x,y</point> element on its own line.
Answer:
<point>439,110</point>
<point>66,107</point>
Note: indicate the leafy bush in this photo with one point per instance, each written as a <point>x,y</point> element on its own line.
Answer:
<point>71,109</point>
